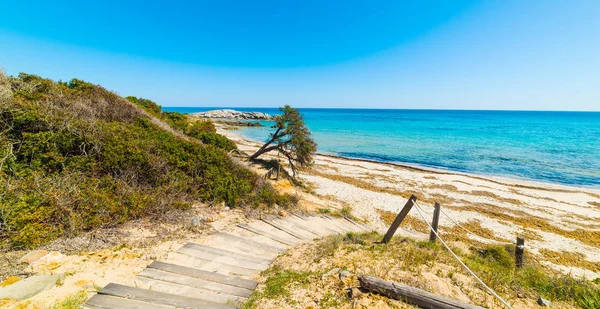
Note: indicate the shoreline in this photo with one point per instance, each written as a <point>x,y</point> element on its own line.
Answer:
<point>559,222</point>
<point>499,179</point>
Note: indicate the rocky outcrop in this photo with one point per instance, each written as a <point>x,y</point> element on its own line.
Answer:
<point>233,114</point>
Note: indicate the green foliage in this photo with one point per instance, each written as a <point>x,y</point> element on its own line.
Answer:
<point>148,105</point>
<point>74,157</point>
<point>72,302</point>
<point>291,138</point>
<point>496,266</point>
<point>278,284</point>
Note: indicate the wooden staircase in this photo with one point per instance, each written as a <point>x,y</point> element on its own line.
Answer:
<point>218,272</point>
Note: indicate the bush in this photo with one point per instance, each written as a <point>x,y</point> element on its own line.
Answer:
<point>76,157</point>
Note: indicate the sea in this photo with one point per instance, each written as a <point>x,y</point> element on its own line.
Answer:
<point>552,147</point>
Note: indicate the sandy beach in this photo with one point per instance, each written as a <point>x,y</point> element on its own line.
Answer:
<point>560,223</point>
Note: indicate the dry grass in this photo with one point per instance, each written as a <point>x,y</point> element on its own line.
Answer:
<point>575,259</point>
<point>525,220</point>
<point>296,279</point>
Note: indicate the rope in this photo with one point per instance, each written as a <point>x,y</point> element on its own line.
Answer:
<point>461,262</point>
<point>469,232</point>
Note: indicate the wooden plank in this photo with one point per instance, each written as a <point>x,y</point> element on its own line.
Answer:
<point>326,224</point>
<point>195,282</point>
<point>250,242</point>
<point>266,234</point>
<point>343,227</point>
<point>301,230</point>
<point>222,259</point>
<point>160,298</point>
<point>285,229</point>
<point>300,226</point>
<point>100,301</point>
<point>403,213</point>
<point>223,252</point>
<point>213,266</point>
<point>360,225</point>
<point>186,291</point>
<point>347,226</point>
<point>411,295</point>
<point>321,231</point>
<point>205,275</point>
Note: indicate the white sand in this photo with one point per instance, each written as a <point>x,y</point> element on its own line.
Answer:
<point>564,207</point>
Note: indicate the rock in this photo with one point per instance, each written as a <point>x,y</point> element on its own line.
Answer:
<point>282,213</point>
<point>48,262</point>
<point>29,287</point>
<point>344,274</point>
<point>520,295</point>
<point>544,302</point>
<point>233,114</point>
<point>331,272</point>
<point>33,256</point>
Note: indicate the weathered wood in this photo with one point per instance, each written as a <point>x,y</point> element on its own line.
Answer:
<point>403,213</point>
<point>195,282</point>
<point>185,290</point>
<point>160,298</point>
<point>100,301</point>
<point>435,222</point>
<point>222,259</point>
<point>410,295</point>
<point>519,252</point>
<point>205,275</point>
<point>344,226</point>
<point>210,265</point>
<point>266,234</point>
<point>285,229</point>
<point>223,252</point>
<point>303,227</point>
<point>360,225</point>
<point>250,242</point>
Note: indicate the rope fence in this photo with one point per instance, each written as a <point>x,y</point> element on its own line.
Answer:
<point>460,260</point>
<point>467,230</point>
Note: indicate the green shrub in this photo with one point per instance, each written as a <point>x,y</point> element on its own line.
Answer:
<point>76,157</point>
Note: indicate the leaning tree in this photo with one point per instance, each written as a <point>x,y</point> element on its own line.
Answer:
<point>291,138</point>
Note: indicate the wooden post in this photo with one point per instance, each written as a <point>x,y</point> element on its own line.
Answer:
<point>278,169</point>
<point>410,295</point>
<point>407,207</point>
<point>435,222</point>
<point>519,251</point>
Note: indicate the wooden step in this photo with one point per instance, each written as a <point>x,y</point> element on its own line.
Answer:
<point>186,291</point>
<point>100,301</point>
<point>295,233</point>
<point>205,275</point>
<point>259,224</point>
<point>266,234</point>
<point>241,256</point>
<point>236,246</point>
<point>212,266</point>
<point>221,259</point>
<point>160,298</point>
<point>195,282</point>
<point>253,239</point>
<point>304,228</point>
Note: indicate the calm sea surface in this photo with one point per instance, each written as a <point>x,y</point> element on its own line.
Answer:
<point>557,147</point>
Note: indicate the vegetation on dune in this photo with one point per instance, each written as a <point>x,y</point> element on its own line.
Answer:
<point>201,129</point>
<point>74,156</point>
<point>296,277</point>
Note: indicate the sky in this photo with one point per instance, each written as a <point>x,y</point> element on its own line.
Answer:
<point>505,54</point>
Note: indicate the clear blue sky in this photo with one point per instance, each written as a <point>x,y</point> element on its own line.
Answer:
<point>505,54</point>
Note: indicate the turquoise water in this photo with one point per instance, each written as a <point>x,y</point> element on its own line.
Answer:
<point>556,147</point>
